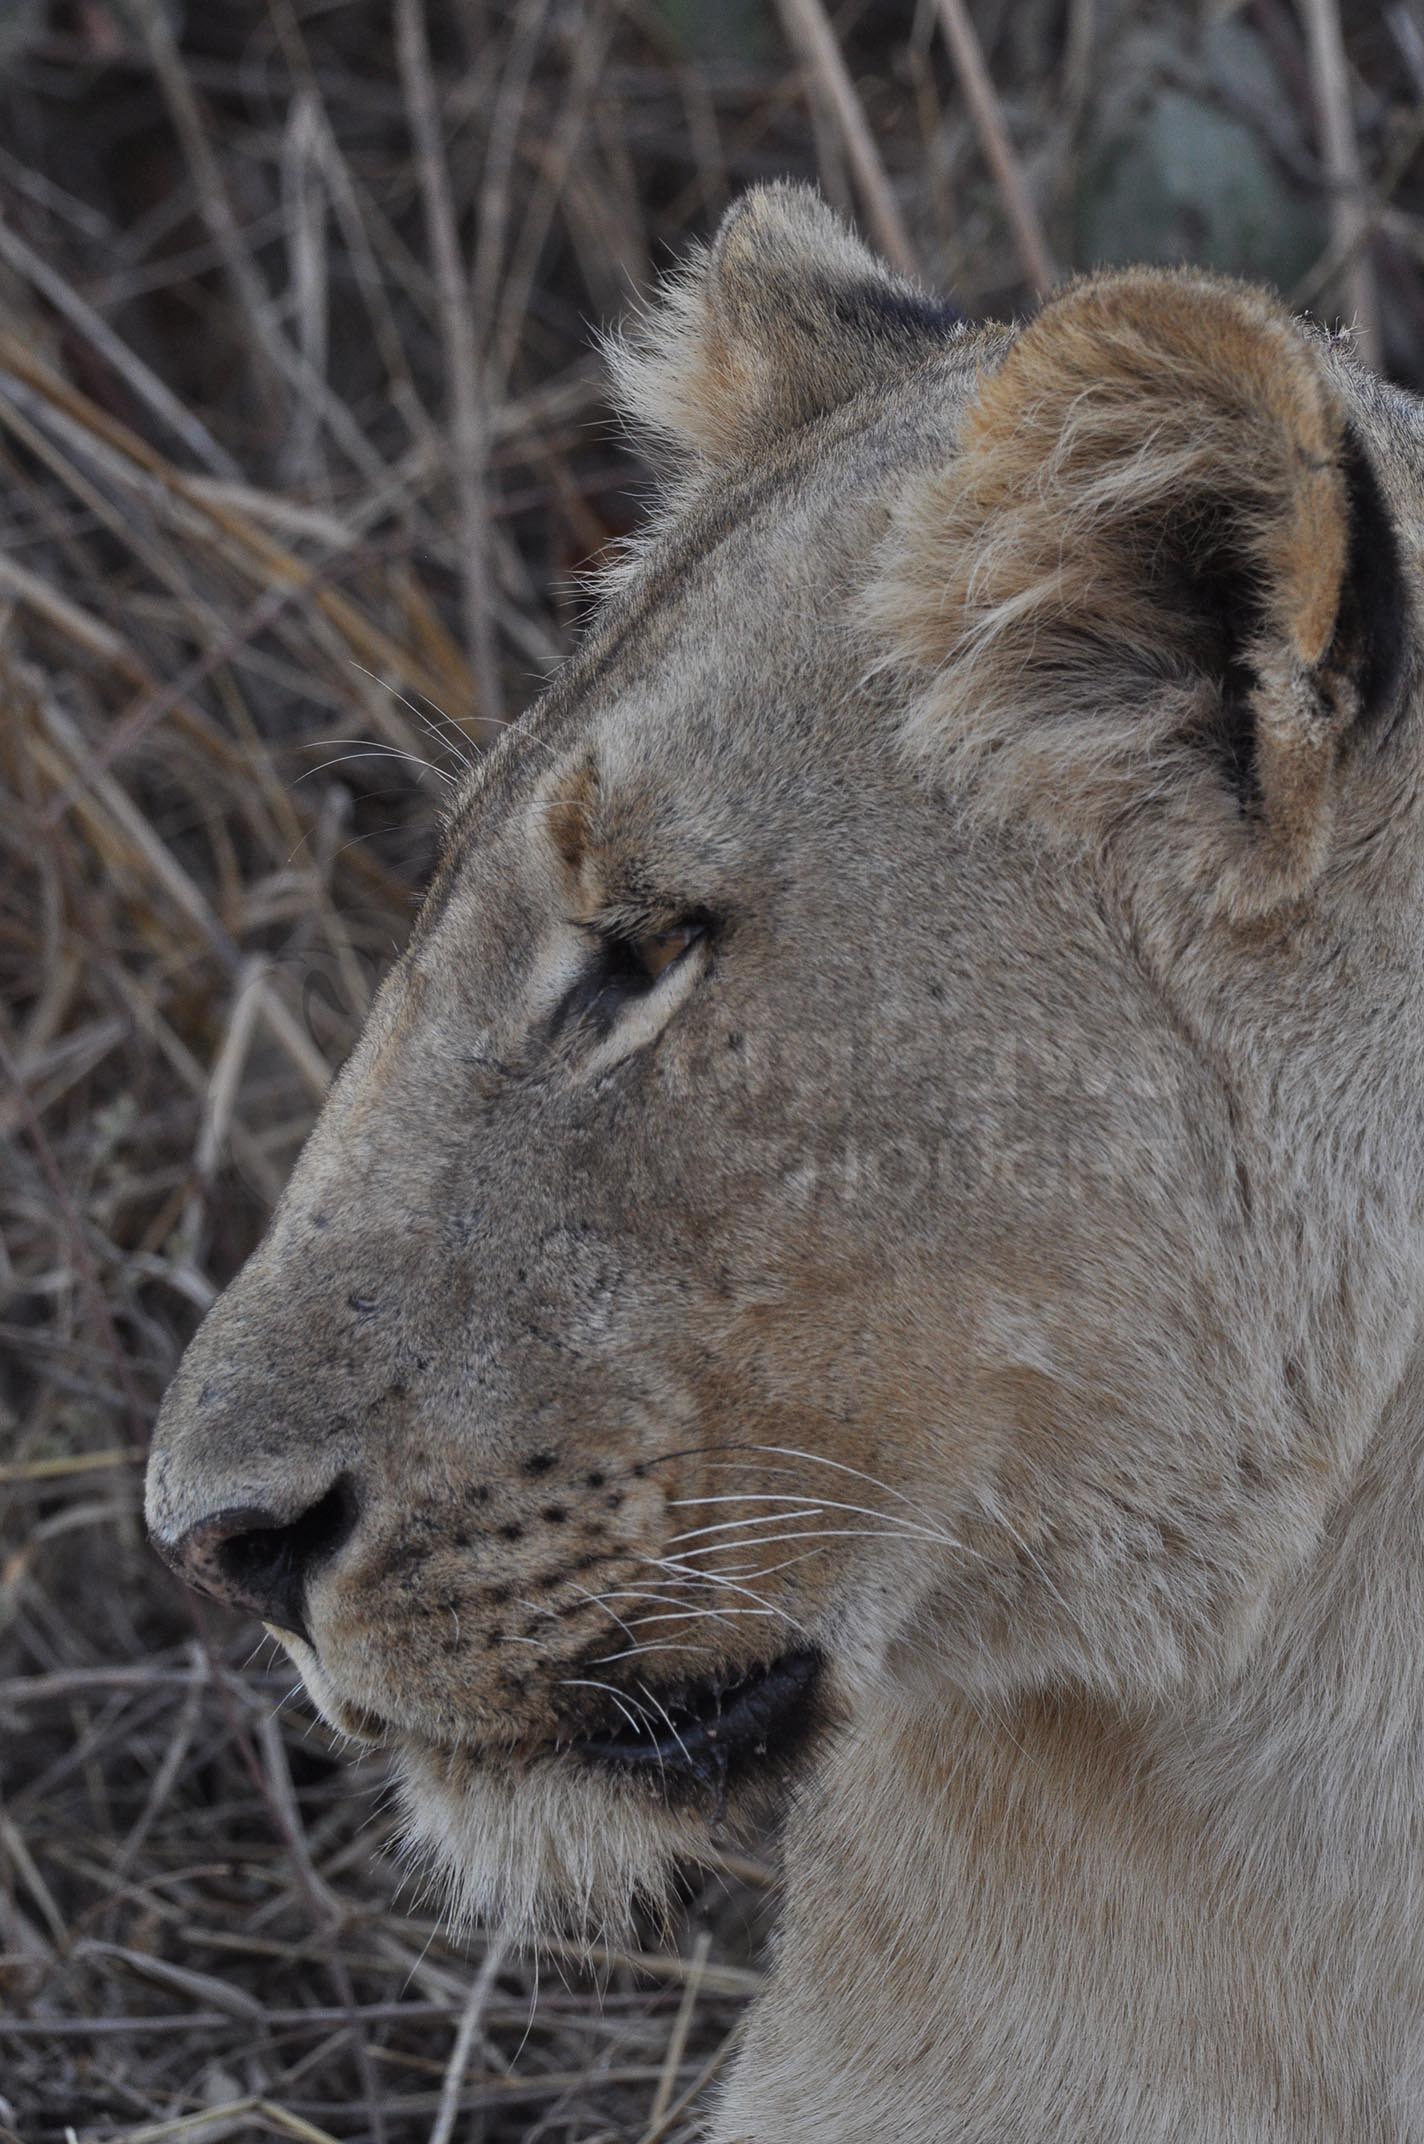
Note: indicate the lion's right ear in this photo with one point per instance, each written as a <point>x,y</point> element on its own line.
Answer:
<point>1157,574</point>
<point>785,316</point>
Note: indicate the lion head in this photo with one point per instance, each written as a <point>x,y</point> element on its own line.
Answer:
<point>860,1177</point>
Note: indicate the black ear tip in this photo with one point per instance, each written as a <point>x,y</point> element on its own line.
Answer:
<point>898,312</point>
<point>1373,636</point>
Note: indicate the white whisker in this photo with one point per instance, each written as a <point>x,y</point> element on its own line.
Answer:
<point>460,744</point>
<point>829,1533</point>
<point>730,1583</point>
<point>629,1652</point>
<point>659,1600</point>
<point>789,1451</point>
<point>907,1527</point>
<point>377,751</point>
<point>683,1615</point>
<point>597,1600</point>
<point>768,1518</point>
<point>575,1682</point>
<point>653,1699</point>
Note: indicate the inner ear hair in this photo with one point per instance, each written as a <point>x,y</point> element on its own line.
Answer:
<point>1209,583</point>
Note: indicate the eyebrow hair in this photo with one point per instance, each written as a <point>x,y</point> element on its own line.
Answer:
<point>567,816</point>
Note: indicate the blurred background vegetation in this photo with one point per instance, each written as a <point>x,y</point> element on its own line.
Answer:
<point>302,454</point>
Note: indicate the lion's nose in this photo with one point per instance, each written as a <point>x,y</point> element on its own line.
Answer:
<point>252,1559</point>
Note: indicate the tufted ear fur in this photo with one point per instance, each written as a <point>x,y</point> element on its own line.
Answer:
<point>1159,566</point>
<point>784,317</point>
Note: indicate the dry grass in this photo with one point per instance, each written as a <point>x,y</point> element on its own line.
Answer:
<point>301,450</point>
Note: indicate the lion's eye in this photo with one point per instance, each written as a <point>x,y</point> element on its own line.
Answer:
<point>627,967</point>
<point>657,951</point>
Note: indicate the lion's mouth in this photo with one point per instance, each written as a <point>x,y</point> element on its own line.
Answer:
<point>712,1732</point>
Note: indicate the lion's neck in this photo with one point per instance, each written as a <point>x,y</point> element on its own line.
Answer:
<point>1206,1931</point>
<point>1316,1755</point>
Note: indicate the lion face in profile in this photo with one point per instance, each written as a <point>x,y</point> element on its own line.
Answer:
<point>861,1180</point>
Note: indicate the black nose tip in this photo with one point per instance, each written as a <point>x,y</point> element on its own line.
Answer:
<point>248,1558</point>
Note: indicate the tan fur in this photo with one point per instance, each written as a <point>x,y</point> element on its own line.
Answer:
<point>1139,419</point>
<point>782,320</point>
<point>991,1253</point>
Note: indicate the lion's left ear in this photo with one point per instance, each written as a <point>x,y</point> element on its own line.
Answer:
<point>1159,570</point>
<point>785,316</point>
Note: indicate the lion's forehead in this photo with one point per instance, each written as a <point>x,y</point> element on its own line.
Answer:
<point>732,608</point>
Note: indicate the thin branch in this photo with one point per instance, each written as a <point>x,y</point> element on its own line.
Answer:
<point>810,32</point>
<point>453,2086</point>
<point>136,375</point>
<point>987,115</point>
<point>461,357</point>
<point>1349,206</point>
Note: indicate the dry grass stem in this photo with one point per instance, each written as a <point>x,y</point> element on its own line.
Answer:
<point>982,100</point>
<point>1350,215</point>
<point>809,29</point>
<point>461,358</point>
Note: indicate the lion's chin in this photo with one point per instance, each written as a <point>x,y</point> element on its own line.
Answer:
<point>582,1837</point>
<point>549,1848</point>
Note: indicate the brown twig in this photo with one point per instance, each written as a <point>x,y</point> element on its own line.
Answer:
<point>468,430</point>
<point>810,32</point>
<point>1349,203</point>
<point>987,115</point>
<point>476,2003</point>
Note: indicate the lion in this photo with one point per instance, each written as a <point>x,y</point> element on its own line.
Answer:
<point>868,1264</point>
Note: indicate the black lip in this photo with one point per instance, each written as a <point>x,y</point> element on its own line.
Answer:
<point>707,1733</point>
